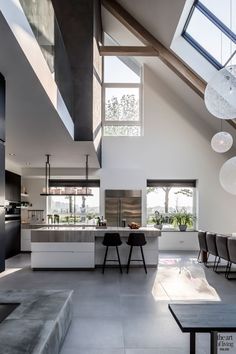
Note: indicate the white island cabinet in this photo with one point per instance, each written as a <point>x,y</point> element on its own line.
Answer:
<point>26,236</point>
<point>74,247</point>
<point>62,247</point>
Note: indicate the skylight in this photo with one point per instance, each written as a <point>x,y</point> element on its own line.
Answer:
<point>211,30</point>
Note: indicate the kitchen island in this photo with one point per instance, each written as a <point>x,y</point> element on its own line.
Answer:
<point>78,247</point>
<point>26,229</point>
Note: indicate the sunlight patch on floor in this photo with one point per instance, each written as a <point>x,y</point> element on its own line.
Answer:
<point>176,281</point>
<point>9,271</point>
<point>159,293</point>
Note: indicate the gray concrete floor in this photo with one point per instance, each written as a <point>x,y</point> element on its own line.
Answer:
<point>128,313</point>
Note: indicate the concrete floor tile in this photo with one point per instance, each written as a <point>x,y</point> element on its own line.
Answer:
<point>159,351</point>
<point>152,332</point>
<point>133,305</point>
<point>92,351</point>
<point>86,333</point>
<point>96,306</point>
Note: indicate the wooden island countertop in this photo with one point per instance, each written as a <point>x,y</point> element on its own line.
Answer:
<point>81,247</point>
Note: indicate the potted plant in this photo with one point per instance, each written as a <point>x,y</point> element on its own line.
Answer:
<point>158,220</point>
<point>182,219</point>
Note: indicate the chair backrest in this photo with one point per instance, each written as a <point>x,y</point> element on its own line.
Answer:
<point>136,239</point>
<point>211,243</point>
<point>202,240</point>
<point>222,246</point>
<point>111,239</point>
<point>232,249</point>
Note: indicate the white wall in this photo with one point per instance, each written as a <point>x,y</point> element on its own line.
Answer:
<point>175,145</point>
<point>11,166</point>
<point>34,186</point>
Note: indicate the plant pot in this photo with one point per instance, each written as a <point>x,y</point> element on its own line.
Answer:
<point>182,227</point>
<point>158,226</point>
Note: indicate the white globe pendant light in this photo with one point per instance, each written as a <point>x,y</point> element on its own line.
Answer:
<point>220,93</point>
<point>221,142</point>
<point>228,176</point>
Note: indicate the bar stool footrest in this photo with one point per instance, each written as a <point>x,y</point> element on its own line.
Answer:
<point>112,260</point>
<point>136,260</point>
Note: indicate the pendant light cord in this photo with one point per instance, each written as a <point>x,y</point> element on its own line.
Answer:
<point>86,173</point>
<point>47,173</point>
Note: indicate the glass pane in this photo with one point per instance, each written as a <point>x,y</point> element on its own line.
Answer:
<point>210,37</point>
<point>79,209</point>
<point>118,72</point>
<point>223,11</point>
<point>40,15</point>
<point>166,201</point>
<point>122,104</point>
<point>122,130</point>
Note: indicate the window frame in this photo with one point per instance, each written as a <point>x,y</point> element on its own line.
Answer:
<point>118,123</point>
<point>69,183</point>
<point>179,183</point>
<point>215,21</point>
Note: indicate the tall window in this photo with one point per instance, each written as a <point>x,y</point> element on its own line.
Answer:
<point>122,97</point>
<point>75,209</point>
<point>211,29</point>
<point>165,198</point>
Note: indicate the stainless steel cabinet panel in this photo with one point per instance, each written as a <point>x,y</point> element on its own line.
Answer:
<point>123,204</point>
<point>112,211</point>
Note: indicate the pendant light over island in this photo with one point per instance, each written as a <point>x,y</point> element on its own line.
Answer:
<point>48,190</point>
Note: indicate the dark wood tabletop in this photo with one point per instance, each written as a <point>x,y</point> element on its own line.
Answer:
<point>205,317</point>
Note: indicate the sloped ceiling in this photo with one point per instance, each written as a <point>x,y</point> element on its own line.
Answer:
<point>161,18</point>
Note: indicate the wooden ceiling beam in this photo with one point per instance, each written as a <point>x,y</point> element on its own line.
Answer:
<point>134,51</point>
<point>232,122</point>
<point>184,72</point>
<point>165,55</point>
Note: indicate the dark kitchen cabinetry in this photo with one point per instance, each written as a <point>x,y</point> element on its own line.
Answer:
<point>2,174</point>
<point>12,216</point>
<point>2,209</point>
<point>2,171</point>
<point>12,239</point>
<point>2,108</point>
<point>2,239</point>
<point>13,187</point>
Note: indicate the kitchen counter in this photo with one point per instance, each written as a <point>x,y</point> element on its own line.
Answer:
<point>64,234</point>
<point>26,229</point>
<point>38,226</point>
<point>79,247</point>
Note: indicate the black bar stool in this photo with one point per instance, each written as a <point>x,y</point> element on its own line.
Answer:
<point>111,239</point>
<point>136,239</point>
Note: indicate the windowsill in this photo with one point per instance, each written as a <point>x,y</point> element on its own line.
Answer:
<point>178,231</point>
<point>171,230</point>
